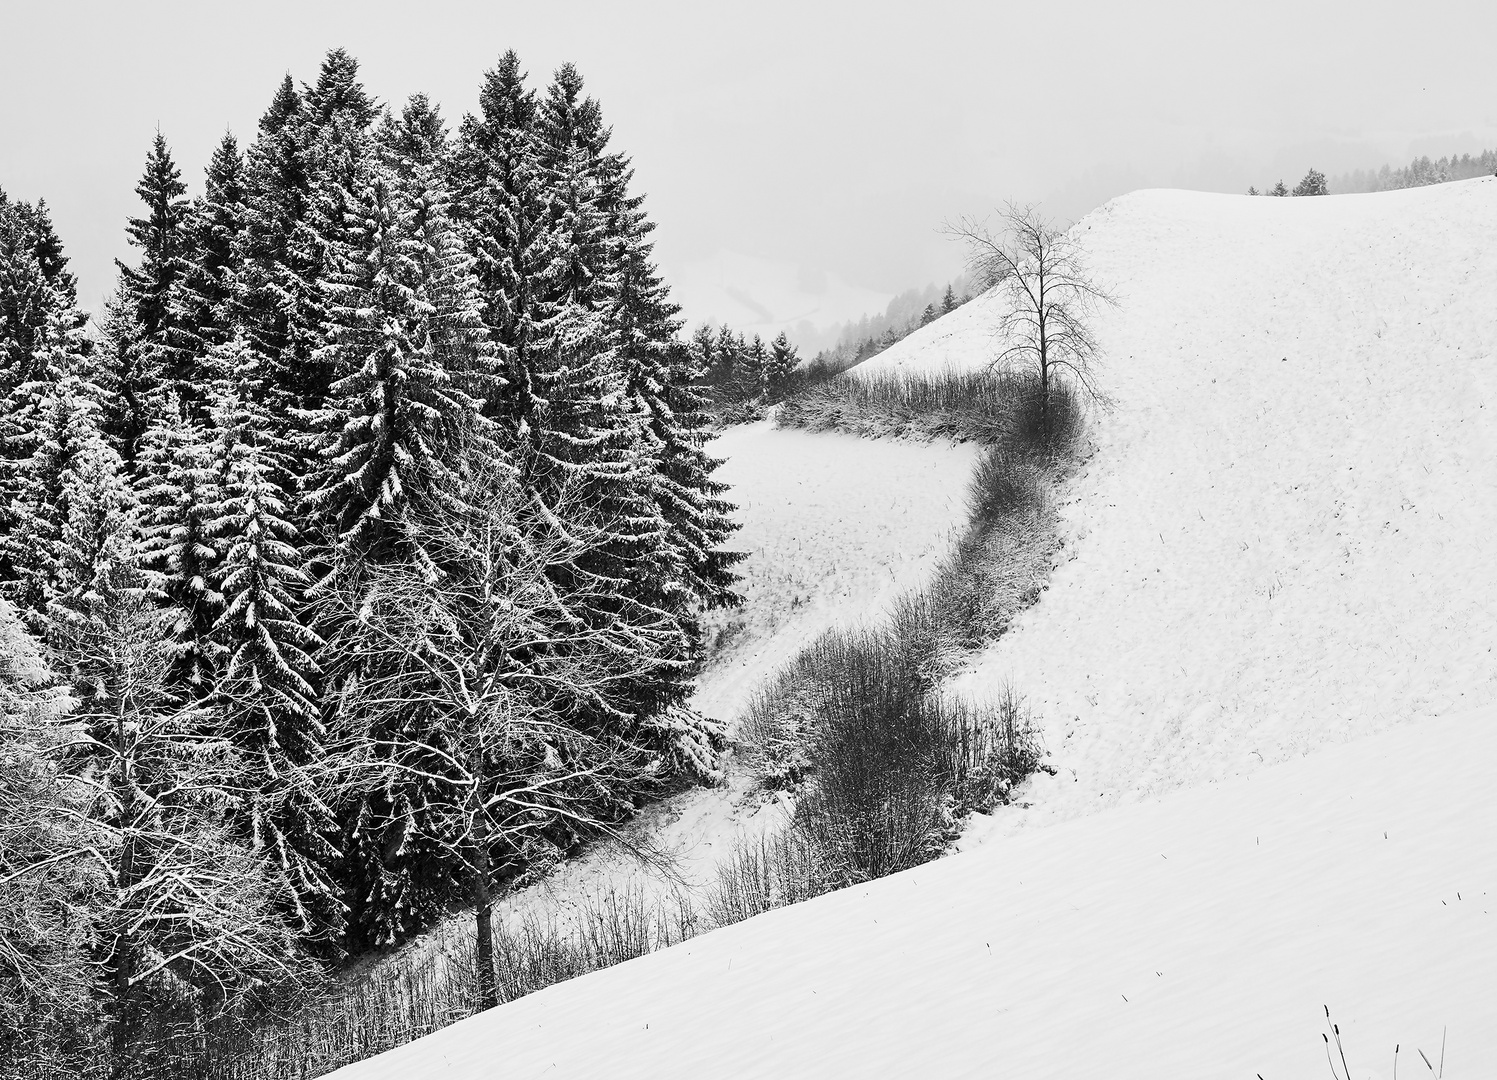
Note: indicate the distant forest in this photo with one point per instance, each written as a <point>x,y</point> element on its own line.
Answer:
<point>1417,173</point>
<point>907,312</point>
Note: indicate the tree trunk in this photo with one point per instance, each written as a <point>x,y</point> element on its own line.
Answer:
<point>1044,371</point>
<point>123,1004</point>
<point>488,992</point>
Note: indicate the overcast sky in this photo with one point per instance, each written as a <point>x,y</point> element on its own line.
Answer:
<point>831,136</point>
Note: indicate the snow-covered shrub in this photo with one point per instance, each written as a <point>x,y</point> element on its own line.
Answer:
<point>1004,485</point>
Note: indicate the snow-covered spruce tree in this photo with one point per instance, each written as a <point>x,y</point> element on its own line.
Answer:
<point>412,368</point>
<point>592,439</point>
<point>98,537</point>
<point>61,440</point>
<point>409,354</point>
<point>779,369</point>
<point>1313,184</point>
<point>41,337</point>
<point>38,296</point>
<point>501,205</point>
<point>727,359</point>
<point>47,990</point>
<point>310,145</point>
<point>753,367</point>
<point>266,693</point>
<point>61,352</point>
<point>662,377</point>
<point>205,296</point>
<point>176,489</point>
<point>150,354</point>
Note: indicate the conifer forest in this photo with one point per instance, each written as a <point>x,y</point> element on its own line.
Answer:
<point>352,560</point>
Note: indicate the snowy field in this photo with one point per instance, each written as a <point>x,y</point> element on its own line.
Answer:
<point>1286,539</point>
<point>835,528</point>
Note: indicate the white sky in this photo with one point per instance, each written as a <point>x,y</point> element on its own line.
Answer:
<point>831,137</point>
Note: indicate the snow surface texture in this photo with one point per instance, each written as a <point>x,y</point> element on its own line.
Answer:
<point>1197,936</point>
<point>1287,537</point>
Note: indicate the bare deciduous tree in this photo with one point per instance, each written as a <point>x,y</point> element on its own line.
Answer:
<point>134,800</point>
<point>486,684</point>
<point>1048,299</point>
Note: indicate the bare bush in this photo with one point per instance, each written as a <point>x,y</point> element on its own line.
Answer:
<point>773,871</point>
<point>414,993</point>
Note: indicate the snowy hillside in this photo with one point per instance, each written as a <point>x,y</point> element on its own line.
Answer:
<point>1288,535</point>
<point>1286,538</point>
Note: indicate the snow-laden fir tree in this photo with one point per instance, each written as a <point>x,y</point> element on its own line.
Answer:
<point>149,353</point>
<point>177,489</point>
<point>58,432</point>
<point>412,368</point>
<point>662,376</point>
<point>502,205</point>
<point>266,694</point>
<point>38,295</point>
<point>410,361</point>
<point>592,439</point>
<point>779,368</point>
<point>311,143</point>
<point>210,276</point>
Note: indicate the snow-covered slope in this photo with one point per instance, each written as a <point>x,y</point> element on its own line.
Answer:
<point>1288,534</point>
<point>835,527</point>
<point>1287,537</point>
<point>1198,936</point>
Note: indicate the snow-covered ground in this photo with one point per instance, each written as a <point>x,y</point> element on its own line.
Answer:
<point>1287,538</point>
<point>1196,936</point>
<point>834,527</point>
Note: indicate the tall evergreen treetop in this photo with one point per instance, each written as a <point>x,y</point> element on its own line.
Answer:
<point>210,277</point>
<point>415,139</point>
<point>501,203</point>
<point>409,356</point>
<point>338,94</point>
<point>161,237</point>
<point>47,247</point>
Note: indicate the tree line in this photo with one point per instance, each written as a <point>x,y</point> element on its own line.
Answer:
<point>740,375</point>
<point>1314,183</point>
<point>1419,172</point>
<point>353,568</point>
<point>905,314</point>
